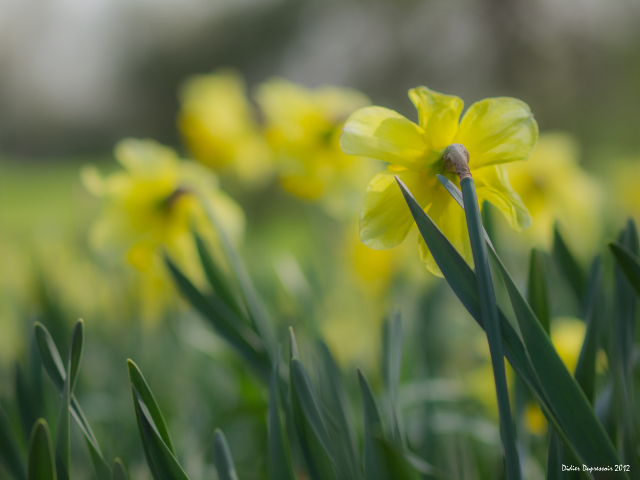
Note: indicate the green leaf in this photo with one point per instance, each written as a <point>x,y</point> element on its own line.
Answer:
<point>336,411</point>
<point>397,463</point>
<point>280,464</point>
<point>537,292</point>
<point>624,319</point>
<point>309,423</point>
<point>491,322</point>
<point>161,461</point>
<point>628,262</point>
<point>555,457</point>
<point>119,471</point>
<point>255,307</point>
<point>9,454</point>
<point>374,466</point>
<point>556,390</point>
<point>225,322</point>
<point>141,386</point>
<point>568,264</point>
<point>585,373</point>
<point>392,368</point>
<point>41,466</point>
<point>222,457</point>
<point>217,279</point>
<point>54,367</point>
<point>62,451</point>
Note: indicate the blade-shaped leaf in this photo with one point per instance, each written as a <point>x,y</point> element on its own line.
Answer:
<point>54,367</point>
<point>568,264</point>
<point>140,384</point>
<point>280,464</point>
<point>119,471</point>
<point>537,293</point>
<point>309,423</point>
<point>561,392</point>
<point>226,323</point>
<point>334,400</point>
<point>585,373</point>
<point>9,454</point>
<point>555,457</point>
<point>255,307</point>
<point>397,463</point>
<point>40,464</point>
<point>375,467</point>
<point>217,279</point>
<point>62,450</point>
<point>161,461</point>
<point>222,457</point>
<point>25,401</point>
<point>628,262</point>
<point>392,367</point>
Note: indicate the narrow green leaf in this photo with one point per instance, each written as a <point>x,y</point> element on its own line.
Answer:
<point>293,346</point>
<point>225,322</point>
<point>9,454</point>
<point>217,279</point>
<point>255,307</point>
<point>555,457</point>
<point>568,264</point>
<point>537,292</point>
<point>222,457</point>
<point>119,471</point>
<point>334,400</point>
<point>41,466</point>
<point>556,388</point>
<point>624,319</point>
<point>309,422</point>
<point>54,367</point>
<point>374,466</point>
<point>392,367</point>
<point>491,322</point>
<point>628,262</point>
<point>62,449</point>
<point>280,463</point>
<point>398,465</point>
<point>585,373</point>
<point>141,386</point>
<point>161,461</point>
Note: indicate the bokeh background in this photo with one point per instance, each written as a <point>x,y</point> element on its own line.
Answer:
<point>77,76</point>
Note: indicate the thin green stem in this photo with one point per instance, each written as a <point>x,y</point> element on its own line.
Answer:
<point>489,311</point>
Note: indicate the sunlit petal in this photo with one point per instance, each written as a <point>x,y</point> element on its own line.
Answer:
<point>438,115</point>
<point>493,185</point>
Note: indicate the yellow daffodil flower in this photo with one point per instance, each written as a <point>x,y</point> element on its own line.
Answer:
<point>495,131</point>
<point>302,127</point>
<point>219,127</point>
<point>154,202</point>
<point>554,187</point>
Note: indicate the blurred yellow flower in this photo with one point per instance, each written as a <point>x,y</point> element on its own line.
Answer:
<point>219,126</point>
<point>302,127</point>
<point>494,131</point>
<point>154,202</point>
<point>554,187</point>
<point>625,194</point>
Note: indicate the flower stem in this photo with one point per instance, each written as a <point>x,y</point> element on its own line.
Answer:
<point>489,311</point>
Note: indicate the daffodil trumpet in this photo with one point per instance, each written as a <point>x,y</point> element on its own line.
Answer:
<point>456,158</point>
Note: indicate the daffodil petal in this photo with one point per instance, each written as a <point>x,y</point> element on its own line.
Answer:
<point>146,158</point>
<point>497,130</point>
<point>438,115</point>
<point>385,219</point>
<point>492,184</point>
<point>384,134</point>
<point>449,218</point>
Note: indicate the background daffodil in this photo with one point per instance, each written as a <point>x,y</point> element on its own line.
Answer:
<point>219,126</point>
<point>302,127</point>
<point>494,131</point>
<point>154,202</point>
<point>553,187</point>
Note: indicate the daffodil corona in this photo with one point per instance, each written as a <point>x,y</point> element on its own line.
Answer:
<point>492,132</point>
